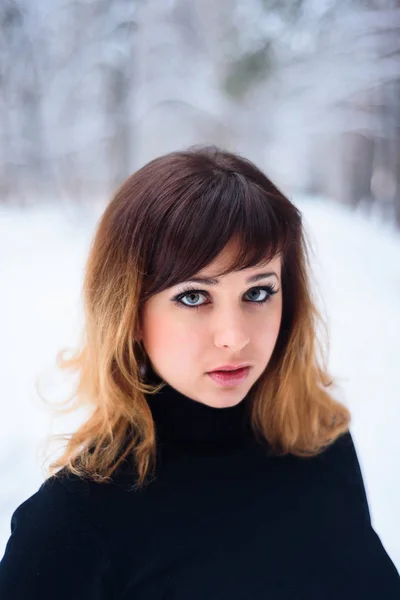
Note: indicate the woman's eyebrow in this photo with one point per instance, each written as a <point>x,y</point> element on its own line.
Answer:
<point>214,281</point>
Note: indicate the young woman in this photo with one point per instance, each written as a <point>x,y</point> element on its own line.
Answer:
<point>215,463</point>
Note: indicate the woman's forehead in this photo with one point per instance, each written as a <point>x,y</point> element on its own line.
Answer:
<point>220,264</point>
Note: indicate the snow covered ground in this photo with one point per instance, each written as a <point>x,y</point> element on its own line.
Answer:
<point>357,267</point>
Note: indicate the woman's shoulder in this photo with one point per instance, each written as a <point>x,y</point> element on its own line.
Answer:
<point>57,508</point>
<point>65,502</point>
<point>342,454</point>
<point>58,491</point>
<point>52,533</point>
<point>341,458</point>
<point>77,495</point>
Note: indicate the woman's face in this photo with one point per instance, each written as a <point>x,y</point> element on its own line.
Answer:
<point>187,334</point>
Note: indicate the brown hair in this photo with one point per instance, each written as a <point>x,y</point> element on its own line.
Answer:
<point>166,222</point>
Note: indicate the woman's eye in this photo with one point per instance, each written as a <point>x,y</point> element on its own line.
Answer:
<point>191,296</point>
<point>258,295</point>
<point>256,291</point>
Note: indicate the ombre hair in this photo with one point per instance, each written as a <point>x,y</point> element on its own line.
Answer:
<point>167,221</point>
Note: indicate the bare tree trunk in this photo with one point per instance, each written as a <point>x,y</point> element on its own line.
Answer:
<point>396,199</point>
<point>117,109</point>
<point>358,159</point>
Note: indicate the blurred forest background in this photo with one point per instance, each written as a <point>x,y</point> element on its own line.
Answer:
<point>309,89</point>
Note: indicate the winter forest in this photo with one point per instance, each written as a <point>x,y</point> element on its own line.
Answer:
<point>90,90</point>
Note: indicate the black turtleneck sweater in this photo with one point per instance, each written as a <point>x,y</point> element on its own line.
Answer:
<point>222,519</point>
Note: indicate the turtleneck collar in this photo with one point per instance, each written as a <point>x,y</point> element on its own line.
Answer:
<point>179,418</point>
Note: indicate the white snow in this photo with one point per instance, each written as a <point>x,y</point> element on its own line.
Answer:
<point>357,268</point>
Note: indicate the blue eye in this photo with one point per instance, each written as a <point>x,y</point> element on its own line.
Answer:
<point>192,293</point>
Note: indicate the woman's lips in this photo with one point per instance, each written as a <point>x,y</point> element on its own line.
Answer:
<point>229,378</point>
